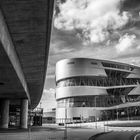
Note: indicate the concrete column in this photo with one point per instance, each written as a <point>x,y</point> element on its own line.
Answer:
<point>4,113</point>
<point>24,114</point>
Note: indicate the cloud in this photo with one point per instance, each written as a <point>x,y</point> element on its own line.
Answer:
<point>48,99</point>
<point>133,60</point>
<point>138,47</point>
<point>48,95</point>
<point>63,42</point>
<point>93,20</point>
<point>48,92</point>
<point>125,42</point>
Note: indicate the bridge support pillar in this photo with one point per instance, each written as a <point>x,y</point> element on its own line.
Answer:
<point>4,113</point>
<point>24,114</point>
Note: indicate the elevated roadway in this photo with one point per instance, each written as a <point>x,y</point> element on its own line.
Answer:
<point>25,30</point>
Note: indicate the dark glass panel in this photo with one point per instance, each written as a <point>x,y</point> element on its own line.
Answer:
<point>113,79</point>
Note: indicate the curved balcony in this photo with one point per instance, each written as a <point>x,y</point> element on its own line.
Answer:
<point>75,67</point>
<point>64,92</point>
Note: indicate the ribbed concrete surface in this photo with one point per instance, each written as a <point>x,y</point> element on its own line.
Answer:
<point>28,25</point>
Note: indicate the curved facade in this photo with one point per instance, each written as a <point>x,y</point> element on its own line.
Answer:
<point>91,89</point>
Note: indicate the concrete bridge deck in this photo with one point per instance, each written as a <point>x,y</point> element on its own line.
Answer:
<point>25,31</point>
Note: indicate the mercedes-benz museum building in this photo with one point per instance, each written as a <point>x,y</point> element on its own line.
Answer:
<point>91,89</point>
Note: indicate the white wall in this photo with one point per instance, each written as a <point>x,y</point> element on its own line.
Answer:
<point>83,112</point>
<point>81,67</point>
<point>63,92</point>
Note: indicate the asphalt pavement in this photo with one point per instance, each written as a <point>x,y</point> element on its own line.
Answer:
<point>86,131</point>
<point>45,133</point>
<point>117,135</point>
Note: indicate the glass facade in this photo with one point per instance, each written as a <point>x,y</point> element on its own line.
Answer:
<point>127,113</point>
<point>116,83</point>
<point>117,66</point>
<point>97,81</point>
<point>96,101</point>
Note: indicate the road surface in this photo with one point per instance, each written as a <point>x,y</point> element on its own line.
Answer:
<point>114,135</point>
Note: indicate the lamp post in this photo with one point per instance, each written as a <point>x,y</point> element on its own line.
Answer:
<point>95,119</point>
<point>128,113</point>
<point>83,105</point>
<point>117,113</point>
<point>95,114</point>
<point>40,104</point>
<point>65,132</point>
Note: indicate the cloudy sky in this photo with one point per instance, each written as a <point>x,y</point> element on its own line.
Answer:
<point>101,29</point>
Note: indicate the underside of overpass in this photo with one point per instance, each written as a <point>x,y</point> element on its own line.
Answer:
<point>25,30</point>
